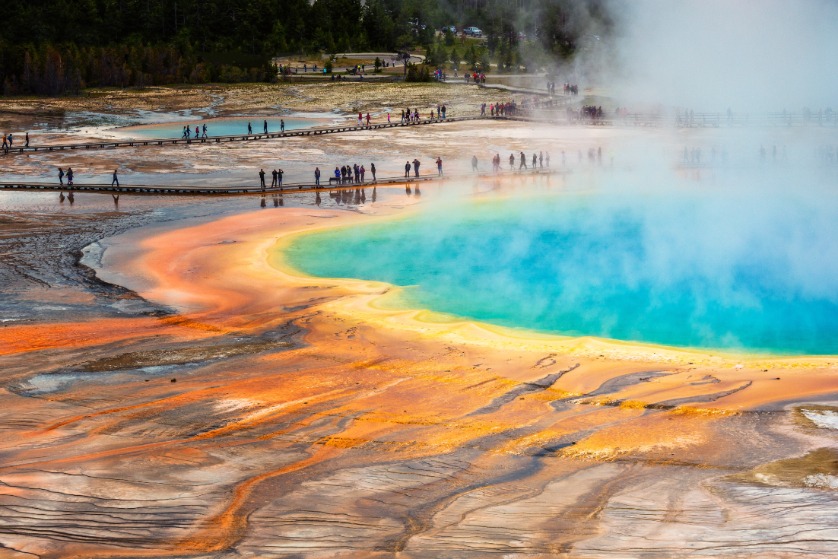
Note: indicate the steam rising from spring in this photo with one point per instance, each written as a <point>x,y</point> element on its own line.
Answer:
<point>749,55</point>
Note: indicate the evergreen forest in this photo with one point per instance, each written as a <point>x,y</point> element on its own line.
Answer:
<point>59,47</point>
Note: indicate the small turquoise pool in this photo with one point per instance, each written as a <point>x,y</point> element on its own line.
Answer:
<point>219,127</point>
<point>672,270</point>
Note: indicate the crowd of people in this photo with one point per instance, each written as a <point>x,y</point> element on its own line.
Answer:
<point>348,174</point>
<point>500,109</point>
<point>409,116</point>
<point>9,140</point>
<point>475,77</point>
<point>586,112</point>
<point>187,132</point>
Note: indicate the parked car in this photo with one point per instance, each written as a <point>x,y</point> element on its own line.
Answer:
<point>473,31</point>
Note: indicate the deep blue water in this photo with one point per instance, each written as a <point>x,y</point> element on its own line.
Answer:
<point>682,273</point>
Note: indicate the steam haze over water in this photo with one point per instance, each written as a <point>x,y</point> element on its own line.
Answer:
<point>675,266</point>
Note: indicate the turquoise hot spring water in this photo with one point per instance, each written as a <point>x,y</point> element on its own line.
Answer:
<point>220,127</point>
<point>680,270</point>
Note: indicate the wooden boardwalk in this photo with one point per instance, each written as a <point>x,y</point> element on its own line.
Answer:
<point>101,145</point>
<point>196,190</point>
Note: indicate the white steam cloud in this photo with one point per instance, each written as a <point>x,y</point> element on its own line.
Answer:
<point>747,55</point>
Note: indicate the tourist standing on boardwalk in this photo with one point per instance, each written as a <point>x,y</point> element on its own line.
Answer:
<point>5,144</point>
<point>363,172</point>
<point>282,125</point>
<point>372,170</point>
<point>523,164</point>
<point>317,176</point>
<point>279,173</point>
<point>337,174</point>
<point>26,143</point>
<point>511,161</point>
<point>262,178</point>
<point>273,178</point>
<point>115,180</point>
<point>265,126</point>
<point>416,167</point>
<point>534,160</point>
<point>249,129</point>
<point>407,168</point>
<point>474,163</point>
<point>205,130</point>
<point>439,166</point>
<point>61,176</point>
<point>69,176</point>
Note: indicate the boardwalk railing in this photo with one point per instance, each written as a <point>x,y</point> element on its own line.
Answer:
<point>18,149</point>
<point>104,188</point>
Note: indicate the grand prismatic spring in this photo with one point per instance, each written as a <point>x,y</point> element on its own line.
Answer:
<point>628,351</point>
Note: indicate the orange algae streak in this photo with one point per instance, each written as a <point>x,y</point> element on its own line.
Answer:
<point>23,339</point>
<point>69,335</point>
